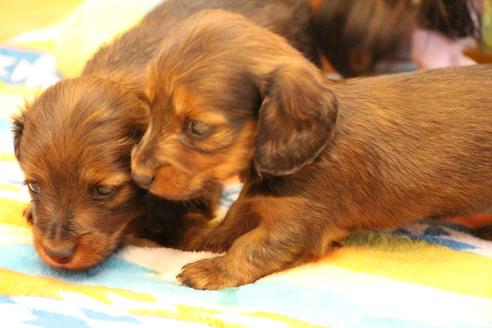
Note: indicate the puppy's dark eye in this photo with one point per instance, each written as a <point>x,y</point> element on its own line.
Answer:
<point>198,129</point>
<point>33,187</point>
<point>102,192</point>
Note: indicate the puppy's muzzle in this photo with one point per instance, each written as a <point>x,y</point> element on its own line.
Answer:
<point>142,179</point>
<point>59,251</point>
<point>60,255</point>
<point>142,174</point>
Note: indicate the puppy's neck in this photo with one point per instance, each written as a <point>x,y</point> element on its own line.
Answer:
<point>250,175</point>
<point>256,183</point>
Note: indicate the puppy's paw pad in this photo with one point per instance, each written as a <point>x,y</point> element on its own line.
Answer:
<point>207,274</point>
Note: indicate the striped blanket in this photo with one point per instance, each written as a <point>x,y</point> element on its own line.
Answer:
<point>429,274</point>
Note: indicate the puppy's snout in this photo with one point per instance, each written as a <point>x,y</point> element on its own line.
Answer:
<point>60,254</point>
<point>142,172</point>
<point>142,179</point>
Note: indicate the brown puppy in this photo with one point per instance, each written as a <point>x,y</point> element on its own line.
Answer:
<point>319,159</point>
<point>73,142</point>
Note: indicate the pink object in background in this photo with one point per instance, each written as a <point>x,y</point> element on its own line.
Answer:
<point>432,49</point>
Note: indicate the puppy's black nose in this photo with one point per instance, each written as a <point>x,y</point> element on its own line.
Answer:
<point>61,255</point>
<point>143,180</point>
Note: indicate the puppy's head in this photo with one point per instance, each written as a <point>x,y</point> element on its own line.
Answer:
<point>224,94</point>
<point>73,144</point>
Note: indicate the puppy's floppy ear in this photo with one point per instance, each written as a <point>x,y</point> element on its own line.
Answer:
<point>17,130</point>
<point>296,120</point>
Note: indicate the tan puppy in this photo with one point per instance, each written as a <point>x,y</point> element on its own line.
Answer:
<point>319,159</point>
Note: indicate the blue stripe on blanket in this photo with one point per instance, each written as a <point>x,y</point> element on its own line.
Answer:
<point>48,319</point>
<point>6,300</point>
<point>22,67</point>
<point>105,317</point>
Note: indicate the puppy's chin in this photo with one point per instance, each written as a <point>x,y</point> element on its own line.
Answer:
<point>90,250</point>
<point>174,184</point>
<point>173,191</point>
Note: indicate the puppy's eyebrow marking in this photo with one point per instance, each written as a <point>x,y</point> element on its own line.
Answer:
<point>112,180</point>
<point>212,118</point>
<point>193,106</point>
<point>117,179</point>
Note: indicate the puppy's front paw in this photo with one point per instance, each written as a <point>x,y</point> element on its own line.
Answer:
<point>27,213</point>
<point>208,274</point>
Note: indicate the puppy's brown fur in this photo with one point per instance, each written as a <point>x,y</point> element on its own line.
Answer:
<point>76,138</point>
<point>319,159</point>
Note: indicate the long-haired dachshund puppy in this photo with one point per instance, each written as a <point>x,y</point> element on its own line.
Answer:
<point>319,159</point>
<point>74,141</point>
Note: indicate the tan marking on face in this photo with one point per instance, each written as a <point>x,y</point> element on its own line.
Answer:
<point>107,178</point>
<point>116,180</point>
<point>190,105</point>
